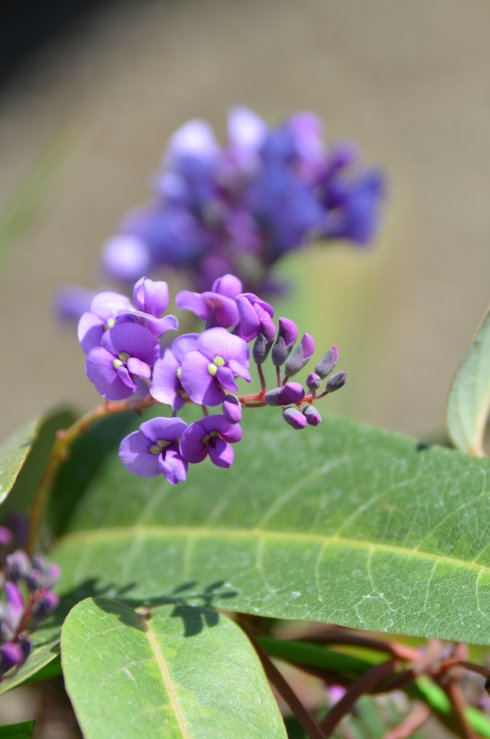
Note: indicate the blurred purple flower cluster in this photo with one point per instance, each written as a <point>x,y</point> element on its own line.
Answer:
<point>240,208</point>
<point>124,357</point>
<point>27,584</point>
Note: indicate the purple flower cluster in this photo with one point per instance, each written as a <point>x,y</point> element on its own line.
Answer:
<point>28,598</point>
<point>124,356</point>
<point>240,208</point>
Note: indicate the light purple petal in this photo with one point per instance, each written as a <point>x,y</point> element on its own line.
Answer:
<point>151,296</point>
<point>163,428</point>
<point>199,385</point>
<point>134,339</point>
<point>183,344</point>
<point>193,302</point>
<point>232,409</point>
<point>255,300</point>
<point>173,466</point>
<point>90,331</point>
<point>100,371</point>
<point>246,130</point>
<point>125,377</point>
<point>138,368</point>
<point>194,139</point>
<point>126,257</point>
<point>134,454</point>
<point>239,369</point>
<point>219,342</point>
<point>165,384</point>
<point>107,304</point>
<point>221,453</point>
<point>248,327</point>
<point>228,285</point>
<point>157,326</point>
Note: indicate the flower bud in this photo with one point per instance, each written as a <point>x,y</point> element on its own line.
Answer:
<point>272,397</point>
<point>300,356</point>
<point>292,392</point>
<point>313,381</point>
<point>6,536</point>
<point>11,655</point>
<point>288,333</point>
<point>312,416</point>
<point>261,348</point>
<point>327,362</point>
<point>294,417</point>
<point>44,605</point>
<point>336,381</point>
<point>17,565</point>
<point>232,410</point>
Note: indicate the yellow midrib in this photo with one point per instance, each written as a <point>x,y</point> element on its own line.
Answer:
<point>187,532</point>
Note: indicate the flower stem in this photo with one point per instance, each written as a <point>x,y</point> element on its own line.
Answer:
<point>64,439</point>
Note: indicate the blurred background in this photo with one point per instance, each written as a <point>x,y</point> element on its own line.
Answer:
<point>90,93</point>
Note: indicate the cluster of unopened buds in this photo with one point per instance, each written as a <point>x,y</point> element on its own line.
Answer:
<point>27,583</point>
<point>124,357</point>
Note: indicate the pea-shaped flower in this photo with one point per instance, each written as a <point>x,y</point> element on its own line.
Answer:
<point>154,450</point>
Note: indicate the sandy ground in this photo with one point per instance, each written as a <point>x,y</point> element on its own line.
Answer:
<point>408,80</point>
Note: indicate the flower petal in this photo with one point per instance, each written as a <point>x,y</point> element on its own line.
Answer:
<point>134,454</point>
<point>173,466</point>
<point>221,453</point>
<point>100,371</point>
<point>163,428</point>
<point>199,385</point>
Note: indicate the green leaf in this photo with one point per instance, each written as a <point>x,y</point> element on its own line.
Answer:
<point>13,454</point>
<point>17,731</point>
<point>344,523</point>
<point>191,673</point>
<point>469,398</point>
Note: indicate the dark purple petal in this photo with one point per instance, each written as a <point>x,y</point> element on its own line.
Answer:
<point>133,339</point>
<point>11,655</point>
<point>292,392</point>
<point>192,447</point>
<point>199,384</point>
<point>100,370</point>
<point>255,300</point>
<point>312,416</point>
<point>249,324</point>
<point>232,409</point>
<point>135,455</point>
<point>224,376</point>
<point>151,296</point>
<point>294,418</point>
<point>173,466</point>
<point>164,428</point>
<point>221,453</point>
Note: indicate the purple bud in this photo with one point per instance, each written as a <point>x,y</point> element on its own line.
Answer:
<point>6,536</point>
<point>261,348</point>
<point>228,285</point>
<point>292,392</point>
<point>294,417</point>
<point>17,565</point>
<point>150,296</point>
<point>312,415</point>
<point>11,655</point>
<point>272,397</point>
<point>327,362</point>
<point>313,381</point>
<point>288,333</point>
<point>232,409</point>
<point>300,356</point>
<point>44,605</point>
<point>14,598</point>
<point>336,381</point>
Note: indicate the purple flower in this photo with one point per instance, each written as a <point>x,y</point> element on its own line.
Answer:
<point>128,352</point>
<point>211,435</point>
<point>357,210</point>
<point>166,386</point>
<point>150,299</point>
<point>210,371</point>
<point>13,655</point>
<point>71,302</point>
<point>216,307</point>
<point>126,257</point>
<point>154,450</point>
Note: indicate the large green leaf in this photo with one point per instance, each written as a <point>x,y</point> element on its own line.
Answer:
<point>17,731</point>
<point>344,523</point>
<point>185,673</point>
<point>469,398</point>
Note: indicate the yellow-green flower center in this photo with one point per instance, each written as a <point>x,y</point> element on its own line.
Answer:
<point>213,366</point>
<point>110,323</point>
<point>159,446</point>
